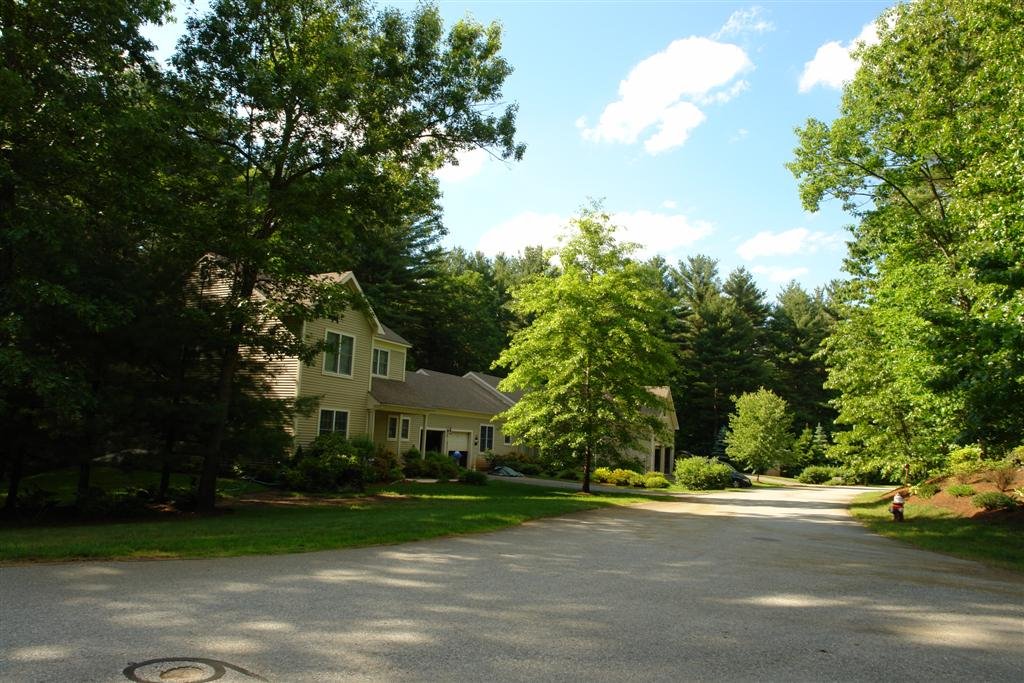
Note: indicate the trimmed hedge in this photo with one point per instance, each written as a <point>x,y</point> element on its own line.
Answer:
<point>702,474</point>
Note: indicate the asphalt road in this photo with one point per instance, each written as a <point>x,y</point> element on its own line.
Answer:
<point>762,585</point>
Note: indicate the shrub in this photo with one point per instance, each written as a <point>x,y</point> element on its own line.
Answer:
<point>385,466</point>
<point>571,475</point>
<point>961,490</point>
<point>601,475</point>
<point>817,474</point>
<point>1003,475</point>
<point>623,477</point>
<point>925,490</point>
<point>654,480</point>
<point>701,474</point>
<point>439,466</point>
<point>330,463</point>
<point>993,501</point>
<point>473,477</point>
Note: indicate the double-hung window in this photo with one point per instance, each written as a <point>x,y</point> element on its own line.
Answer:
<point>392,427</point>
<point>380,362</point>
<point>338,354</point>
<point>405,429</point>
<point>486,438</point>
<point>334,421</point>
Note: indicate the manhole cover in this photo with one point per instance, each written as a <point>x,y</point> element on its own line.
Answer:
<point>183,670</point>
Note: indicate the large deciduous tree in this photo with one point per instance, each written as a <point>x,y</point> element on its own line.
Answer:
<point>928,155</point>
<point>328,118</point>
<point>591,350</point>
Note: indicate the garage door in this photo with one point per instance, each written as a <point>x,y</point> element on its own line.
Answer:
<point>459,441</point>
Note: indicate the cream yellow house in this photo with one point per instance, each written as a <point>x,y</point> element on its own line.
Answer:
<point>363,389</point>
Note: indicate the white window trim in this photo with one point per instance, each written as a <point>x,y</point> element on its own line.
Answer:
<point>334,419</point>
<point>387,428</point>
<point>478,431</point>
<point>373,369</point>
<point>323,365</point>
<point>404,426</point>
<point>508,439</point>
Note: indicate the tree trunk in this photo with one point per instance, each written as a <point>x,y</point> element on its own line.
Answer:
<point>206,494</point>
<point>84,472</point>
<point>587,460</point>
<point>13,484</point>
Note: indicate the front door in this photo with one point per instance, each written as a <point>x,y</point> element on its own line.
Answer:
<point>459,442</point>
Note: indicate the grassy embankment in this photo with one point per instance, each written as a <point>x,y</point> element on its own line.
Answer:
<point>994,540</point>
<point>388,514</point>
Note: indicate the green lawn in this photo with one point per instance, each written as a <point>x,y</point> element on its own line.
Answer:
<point>993,542</point>
<point>400,513</point>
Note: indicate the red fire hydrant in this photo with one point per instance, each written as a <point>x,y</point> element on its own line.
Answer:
<point>897,507</point>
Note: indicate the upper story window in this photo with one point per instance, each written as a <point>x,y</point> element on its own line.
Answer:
<point>338,353</point>
<point>381,358</point>
<point>486,438</point>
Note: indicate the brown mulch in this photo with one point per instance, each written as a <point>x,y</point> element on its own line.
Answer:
<point>962,506</point>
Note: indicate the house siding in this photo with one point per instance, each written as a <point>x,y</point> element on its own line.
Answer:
<point>336,392</point>
<point>396,358</point>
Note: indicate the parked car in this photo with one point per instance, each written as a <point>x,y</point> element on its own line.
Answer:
<point>739,480</point>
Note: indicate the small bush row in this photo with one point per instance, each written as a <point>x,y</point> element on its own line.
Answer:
<point>818,474</point>
<point>624,477</point>
<point>961,490</point>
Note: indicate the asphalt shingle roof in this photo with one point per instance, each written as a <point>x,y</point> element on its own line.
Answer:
<point>427,389</point>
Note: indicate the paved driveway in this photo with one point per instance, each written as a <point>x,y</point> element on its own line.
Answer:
<point>759,585</point>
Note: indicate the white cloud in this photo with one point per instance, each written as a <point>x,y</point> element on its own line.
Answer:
<point>832,65</point>
<point>660,92</point>
<point>744,21</point>
<point>470,163</point>
<point>723,96</point>
<point>776,274</point>
<point>669,204</point>
<point>656,232</point>
<point>740,134</point>
<point>787,243</point>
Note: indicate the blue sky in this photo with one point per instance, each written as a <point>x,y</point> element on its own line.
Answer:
<point>678,115</point>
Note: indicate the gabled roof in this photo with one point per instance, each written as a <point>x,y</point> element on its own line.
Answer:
<point>491,382</point>
<point>389,335</point>
<point>429,390</point>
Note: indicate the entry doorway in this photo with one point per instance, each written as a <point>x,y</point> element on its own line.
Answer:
<point>433,441</point>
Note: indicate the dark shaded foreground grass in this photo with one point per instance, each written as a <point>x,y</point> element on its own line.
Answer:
<point>996,540</point>
<point>394,514</point>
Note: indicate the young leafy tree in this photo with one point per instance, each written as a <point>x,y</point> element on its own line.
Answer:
<point>928,155</point>
<point>586,360</point>
<point>759,436</point>
<point>326,116</point>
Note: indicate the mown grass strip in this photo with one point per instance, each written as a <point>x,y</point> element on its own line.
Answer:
<point>994,541</point>
<point>399,513</point>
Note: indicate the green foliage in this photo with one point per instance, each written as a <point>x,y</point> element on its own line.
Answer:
<point>994,501</point>
<point>926,155</point>
<point>383,466</point>
<point>817,474</point>
<point>623,477</point>
<point>701,474</point>
<point>759,436</point>
<point>569,475</point>
<point>925,490</point>
<point>960,490</point>
<point>330,463</point>
<point>591,350</point>
<point>602,475</point>
<point>654,480</point>
<point>520,462</point>
<point>473,478</point>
